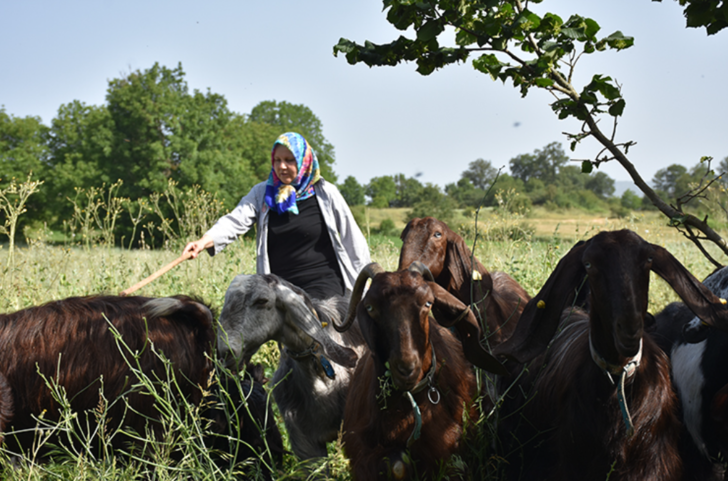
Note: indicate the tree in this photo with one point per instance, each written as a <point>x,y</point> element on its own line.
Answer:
<point>352,191</point>
<point>24,149</point>
<point>543,164</point>
<point>711,14</point>
<point>382,191</point>
<point>298,118</point>
<point>481,173</point>
<point>433,202</point>
<point>665,180</point>
<point>407,191</point>
<point>512,43</point>
<point>601,184</point>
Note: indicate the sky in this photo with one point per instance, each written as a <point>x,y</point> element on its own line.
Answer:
<point>382,120</point>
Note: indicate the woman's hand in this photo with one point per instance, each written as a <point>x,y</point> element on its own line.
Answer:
<point>194,248</point>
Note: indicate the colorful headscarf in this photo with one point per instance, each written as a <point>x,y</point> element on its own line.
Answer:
<point>281,197</point>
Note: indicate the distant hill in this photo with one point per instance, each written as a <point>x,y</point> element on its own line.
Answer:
<point>621,185</point>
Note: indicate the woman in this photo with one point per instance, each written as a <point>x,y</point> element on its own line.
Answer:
<point>306,233</point>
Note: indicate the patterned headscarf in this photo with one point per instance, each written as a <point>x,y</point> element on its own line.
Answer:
<point>281,197</point>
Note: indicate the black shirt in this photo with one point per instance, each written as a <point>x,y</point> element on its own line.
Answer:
<point>300,250</point>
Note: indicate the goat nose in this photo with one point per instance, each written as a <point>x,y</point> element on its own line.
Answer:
<point>405,368</point>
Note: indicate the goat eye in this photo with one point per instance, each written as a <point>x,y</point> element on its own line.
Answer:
<point>587,265</point>
<point>649,260</point>
<point>438,235</point>
<point>428,304</point>
<point>260,302</point>
<point>369,307</point>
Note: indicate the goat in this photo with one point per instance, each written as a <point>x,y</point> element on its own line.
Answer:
<point>498,298</point>
<point>73,344</point>
<point>413,388</point>
<point>316,363</point>
<point>699,357</point>
<point>599,365</point>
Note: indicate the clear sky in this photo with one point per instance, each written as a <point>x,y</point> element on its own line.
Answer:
<point>383,120</point>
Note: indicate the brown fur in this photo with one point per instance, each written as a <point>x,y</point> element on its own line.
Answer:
<point>395,321</point>
<point>69,342</point>
<point>565,408</point>
<point>498,298</point>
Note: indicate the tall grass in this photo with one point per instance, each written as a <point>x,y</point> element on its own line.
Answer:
<point>41,272</point>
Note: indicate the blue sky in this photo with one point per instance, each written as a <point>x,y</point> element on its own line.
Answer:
<point>384,120</point>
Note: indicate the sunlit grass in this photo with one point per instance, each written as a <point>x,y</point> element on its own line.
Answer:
<point>526,247</point>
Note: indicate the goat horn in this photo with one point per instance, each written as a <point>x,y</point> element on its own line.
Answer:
<point>421,268</point>
<point>369,271</point>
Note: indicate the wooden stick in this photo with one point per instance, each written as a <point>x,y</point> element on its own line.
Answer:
<point>160,272</point>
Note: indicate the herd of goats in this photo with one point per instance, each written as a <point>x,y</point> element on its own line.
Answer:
<point>584,382</point>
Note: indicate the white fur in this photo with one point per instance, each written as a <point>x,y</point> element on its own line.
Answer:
<point>689,380</point>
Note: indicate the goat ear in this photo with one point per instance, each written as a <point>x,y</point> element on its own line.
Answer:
<point>368,331</point>
<point>448,309</point>
<point>457,260</point>
<point>407,228</point>
<point>301,312</point>
<point>704,304</point>
<point>542,315</point>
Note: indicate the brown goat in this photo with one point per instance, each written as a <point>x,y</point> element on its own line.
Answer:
<point>498,298</point>
<point>412,366</point>
<point>568,409</point>
<point>71,343</point>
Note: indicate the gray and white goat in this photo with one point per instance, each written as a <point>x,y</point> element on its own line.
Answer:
<point>316,364</point>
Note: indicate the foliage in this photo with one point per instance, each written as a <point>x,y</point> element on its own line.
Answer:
<point>298,118</point>
<point>511,42</point>
<point>433,202</point>
<point>480,173</point>
<point>352,191</point>
<point>711,14</point>
<point>13,200</point>
<point>382,191</point>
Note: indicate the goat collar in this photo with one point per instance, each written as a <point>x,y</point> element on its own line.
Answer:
<point>432,394</point>
<point>624,372</point>
<point>614,369</point>
<point>314,350</point>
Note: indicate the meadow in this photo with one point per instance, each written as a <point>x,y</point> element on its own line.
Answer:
<point>528,248</point>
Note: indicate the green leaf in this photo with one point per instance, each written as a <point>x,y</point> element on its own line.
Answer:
<point>587,167</point>
<point>617,108</point>
<point>619,41</point>
<point>429,30</point>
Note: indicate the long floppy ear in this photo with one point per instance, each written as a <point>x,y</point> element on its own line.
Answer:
<point>704,304</point>
<point>300,310</point>
<point>368,329</point>
<point>450,311</point>
<point>542,315</point>
<point>458,261</point>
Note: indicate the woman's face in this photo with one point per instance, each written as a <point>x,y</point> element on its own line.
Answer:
<point>284,164</point>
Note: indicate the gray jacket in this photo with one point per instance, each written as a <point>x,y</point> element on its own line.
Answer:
<point>349,243</point>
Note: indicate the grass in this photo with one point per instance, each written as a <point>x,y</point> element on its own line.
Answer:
<point>527,247</point>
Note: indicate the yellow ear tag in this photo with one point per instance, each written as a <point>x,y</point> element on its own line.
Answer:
<point>477,276</point>
<point>541,305</point>
<point>722,301</point>
<point>324,324</point>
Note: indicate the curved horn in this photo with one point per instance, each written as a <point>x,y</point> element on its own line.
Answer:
<point>369,271</point>
<point>418,266</point>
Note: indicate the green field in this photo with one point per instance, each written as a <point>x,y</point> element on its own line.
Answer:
<point>528,248</point>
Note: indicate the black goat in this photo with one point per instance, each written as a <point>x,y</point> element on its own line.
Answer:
<point>598,403</point>
<point>699,357</point>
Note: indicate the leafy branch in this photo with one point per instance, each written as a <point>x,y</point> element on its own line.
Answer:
<point>511,43</point>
